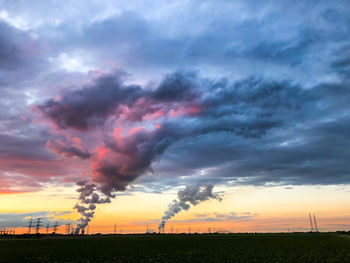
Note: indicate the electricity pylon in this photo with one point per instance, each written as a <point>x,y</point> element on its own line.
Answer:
<point>30,225</point>
<point>55,228</point>
<point>37,225</point>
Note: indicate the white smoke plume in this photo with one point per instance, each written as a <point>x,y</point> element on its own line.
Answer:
<point>190,195</point>
<point>86,206</point>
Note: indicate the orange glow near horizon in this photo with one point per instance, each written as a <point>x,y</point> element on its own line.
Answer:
<point>277,210</point>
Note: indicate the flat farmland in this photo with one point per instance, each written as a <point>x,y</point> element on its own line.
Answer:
<point>182,248</point>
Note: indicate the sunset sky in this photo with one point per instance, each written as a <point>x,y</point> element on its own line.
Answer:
<point>137,103</point>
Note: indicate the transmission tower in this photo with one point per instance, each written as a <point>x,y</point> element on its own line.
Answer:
<point>315,223</point>
<point>311,224</point>
<point>47,228</point>
<point>55,227</point>
<point>88,229</point>
<point>115,229</point>
<point>68,229</point>
<point>37,225</point>
<point>30,225</point>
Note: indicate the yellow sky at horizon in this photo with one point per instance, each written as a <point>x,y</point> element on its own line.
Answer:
<point>272,208</point>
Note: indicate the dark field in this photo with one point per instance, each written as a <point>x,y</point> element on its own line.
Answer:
<point>180,248</point>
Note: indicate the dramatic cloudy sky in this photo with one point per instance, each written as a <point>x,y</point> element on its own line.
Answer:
<point>150,96</point>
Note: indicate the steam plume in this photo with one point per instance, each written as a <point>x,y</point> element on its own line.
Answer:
<point>86,205</point>
<point>190,195</point>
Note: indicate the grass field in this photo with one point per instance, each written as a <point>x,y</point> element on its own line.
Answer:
<point>258,248</point>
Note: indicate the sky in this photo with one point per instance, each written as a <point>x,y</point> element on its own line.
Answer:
<point>116,112</point>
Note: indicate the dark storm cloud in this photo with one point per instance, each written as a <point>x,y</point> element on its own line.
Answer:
<point>295,155</point>
<point>142,148</point>
<point>248,109</point>
<point>306,145</point>
<point>13,50</point>
<point>282,52</point>
<point>258,42</point>
<point>68,150</point>
<point>25,163</point>
<point>254,98</point>
<point>247,106</point>
<point>21,55</point>
<point>90,106</point>
<point>26,148</point>
<point>278,116</point>
<point>177,87</point>
<point>341,65</point>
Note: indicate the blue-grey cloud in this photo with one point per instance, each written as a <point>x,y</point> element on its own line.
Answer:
<point>272,89</point>
<point>14,220</point>
<point>218,217</point>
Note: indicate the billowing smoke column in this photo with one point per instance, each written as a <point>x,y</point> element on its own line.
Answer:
<point>125,128</point>
<point>86,206</point>
<point>190,195</point>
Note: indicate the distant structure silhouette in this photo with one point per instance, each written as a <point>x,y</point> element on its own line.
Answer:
<point>55,227</point>
<point>68,228</point>
<point>30,225</point>
<point>38,225</point>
